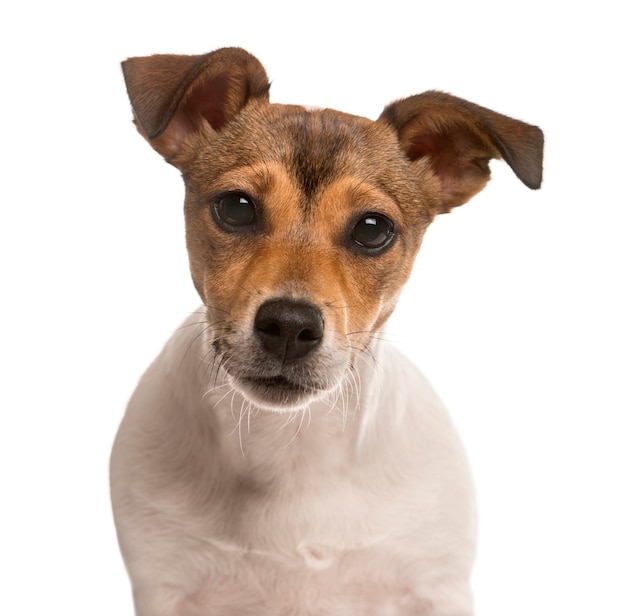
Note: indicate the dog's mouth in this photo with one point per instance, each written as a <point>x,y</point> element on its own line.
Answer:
<point>278,382</point>
<point>277,393</point>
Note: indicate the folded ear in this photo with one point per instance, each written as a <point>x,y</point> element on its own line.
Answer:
<point>459,138</point>
<point>173,95</point>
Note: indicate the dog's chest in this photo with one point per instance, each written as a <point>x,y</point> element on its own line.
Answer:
<point>324,581</point>
<point>315,573</point>
<point>316,546</point>
<point>312,517</point>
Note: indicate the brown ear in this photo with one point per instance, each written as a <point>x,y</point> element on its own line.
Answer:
<point>173,95</point>
<point>460,138</point>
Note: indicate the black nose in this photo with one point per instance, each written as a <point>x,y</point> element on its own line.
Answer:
<point>288,329</point>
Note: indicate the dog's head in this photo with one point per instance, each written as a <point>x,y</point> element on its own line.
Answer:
<point>302,225</point>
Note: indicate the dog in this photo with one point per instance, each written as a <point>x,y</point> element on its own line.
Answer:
<point>278,457</point>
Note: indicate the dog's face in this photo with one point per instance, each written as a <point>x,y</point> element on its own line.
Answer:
<point>302,226</point>
<point>301,230</point>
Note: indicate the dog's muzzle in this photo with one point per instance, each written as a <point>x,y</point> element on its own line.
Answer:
<point>285,362</point>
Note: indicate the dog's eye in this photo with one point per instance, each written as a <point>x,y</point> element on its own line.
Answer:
<point>235,210</point>
<point>373,232</point>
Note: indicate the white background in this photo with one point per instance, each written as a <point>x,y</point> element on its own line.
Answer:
<point>515,310</point>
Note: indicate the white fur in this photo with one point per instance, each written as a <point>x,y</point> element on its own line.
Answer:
<point>360,505</point>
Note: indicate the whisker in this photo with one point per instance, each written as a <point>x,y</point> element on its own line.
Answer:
<point>291,415</point>
<point>302,416</point>
<point>249,412</point>
<point>231,390</point>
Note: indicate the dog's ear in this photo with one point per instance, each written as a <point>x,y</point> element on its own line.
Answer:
<point>173,96</point>
<point>459,138</point>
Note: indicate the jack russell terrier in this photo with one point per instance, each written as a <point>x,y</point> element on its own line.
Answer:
<point>277,458</point>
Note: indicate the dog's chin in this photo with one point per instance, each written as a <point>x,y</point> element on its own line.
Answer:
<point>278,394</point>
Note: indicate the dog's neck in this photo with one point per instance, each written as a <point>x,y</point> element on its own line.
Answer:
<point>244,434</point>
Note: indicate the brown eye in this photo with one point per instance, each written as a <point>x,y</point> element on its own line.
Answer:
<point>373,232</point>
<point>235,211</point>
